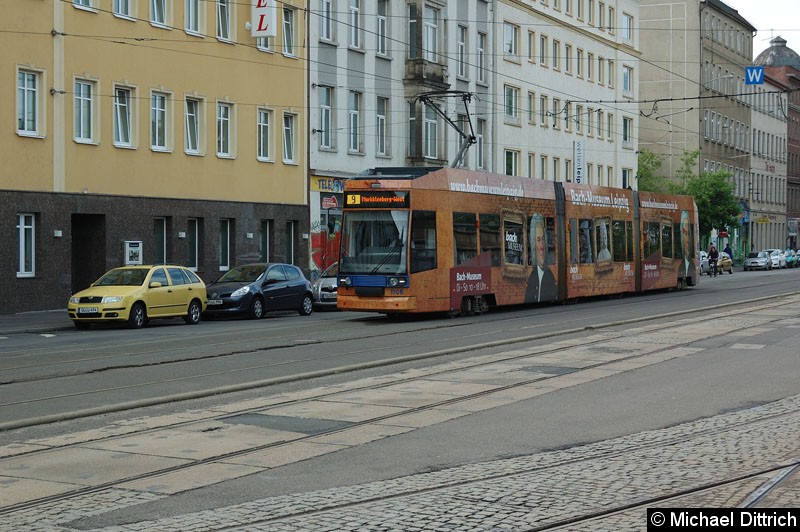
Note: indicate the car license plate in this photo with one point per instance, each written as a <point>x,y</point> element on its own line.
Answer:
<point>329,296</point>
<point>214,302</point>
<point>88,310</point>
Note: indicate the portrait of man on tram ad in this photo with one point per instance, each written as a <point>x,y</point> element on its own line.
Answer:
<point>686,266</point>
<point>541,281</point>
<point>602,244</point>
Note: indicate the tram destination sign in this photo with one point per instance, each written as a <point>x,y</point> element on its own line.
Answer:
<point>377,200</point>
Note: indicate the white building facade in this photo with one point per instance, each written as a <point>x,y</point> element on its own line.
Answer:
<point>566,90</point>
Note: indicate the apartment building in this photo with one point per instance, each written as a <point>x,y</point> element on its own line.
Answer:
<point>568,75</point>
<point>695,96</point>
<point>782,64</point>
<point>147,131</point>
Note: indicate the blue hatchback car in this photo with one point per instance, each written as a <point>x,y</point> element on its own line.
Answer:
<point>254,289</point>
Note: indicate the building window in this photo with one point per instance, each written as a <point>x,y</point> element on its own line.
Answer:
<point>355,23</point>
<point>430,36</point>
<point>193,131</point>
<point>412,129</point>
<point>380,126</point>
<point>158,12</point>
<point>512,162</point>
<point>160,241</point>
<point>224,129</point>
<point>481,52</point>
<point>122,8</point>
<point>265,241</point>
<point>158,121</point>
<point>543,106</point>
<point>531,107</point>
<point>568,58</point>
<point>225,244</point>
<point>84,110</point>
<point>354,121</point>
<point>627,80</point>
<point>627,27</point>
<point>326,20</point>
<point>291,234</point>
<point>192,13</point>
<point>543,50</point>
<point>610,127</point>
<point>590,66</point>
<point>382,33</point>
<point>192,243</point>
<point>289,138</point>
<point>510,36</point>
<point>579,63</point>
<point>82,3</point>
<point>325,117</point>
<point>430,133</point>
<point>288,31</point>
<point>543,167</point>
<point>556,113</point>
<point>627,132</point>
<point>28,103</point>
<point>611,77</point>
<point>481,144</point>
<point>462,51</point>
<point>264,138</point>
<point>224,19</point>
<point>123,134</point>
<point>264,44</point>
<point>627,175</point>
<point>579,119</point>
<point>601,69</point>
<point>511,103</point>
<point>26,245</point>
<point>556,55</point>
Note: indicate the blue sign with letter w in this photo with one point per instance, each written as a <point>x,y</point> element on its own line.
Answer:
<point>754,75</point>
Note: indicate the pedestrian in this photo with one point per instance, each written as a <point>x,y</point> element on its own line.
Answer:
<point>728,251</point>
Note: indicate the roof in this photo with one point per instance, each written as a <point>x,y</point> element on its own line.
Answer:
<point>778,55</point>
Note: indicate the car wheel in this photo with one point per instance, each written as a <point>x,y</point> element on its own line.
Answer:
<point>138,316</point>
<point>193,315</point>
<point>82,326</point>
<point>256,309</point>
<point>307,307</point>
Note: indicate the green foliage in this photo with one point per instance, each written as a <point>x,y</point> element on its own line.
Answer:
<point>649,163</point>
<point>713,192</point>
<point>717,205</point>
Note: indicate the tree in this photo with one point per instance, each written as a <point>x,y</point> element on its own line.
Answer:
<point>717,205</point>
<point>648,164</point>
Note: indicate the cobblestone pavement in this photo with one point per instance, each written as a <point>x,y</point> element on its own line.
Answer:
<point>708,462</point>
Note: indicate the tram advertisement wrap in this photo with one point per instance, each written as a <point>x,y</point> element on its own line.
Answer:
<point>469,281</point>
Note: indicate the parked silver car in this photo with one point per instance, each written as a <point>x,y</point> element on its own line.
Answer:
<point>778,257</point>
<point>324,288</point>
<point>760,260</point>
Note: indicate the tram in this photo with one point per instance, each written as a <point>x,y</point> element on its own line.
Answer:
<point>427,240</point>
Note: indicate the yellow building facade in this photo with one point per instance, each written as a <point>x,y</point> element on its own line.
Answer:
<point>157,125</point>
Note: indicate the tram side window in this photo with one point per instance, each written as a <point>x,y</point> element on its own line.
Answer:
<point>550,231</point>
<point>490,236</point>
<point>619,244</point>
<point>423,241</point>
<point>514,242</point>
<point>652,238</point>
<point>601,240</point>
<point>666,240</point>
<point>585,241</point>
<point>629,240</point>
<point>465,236</point>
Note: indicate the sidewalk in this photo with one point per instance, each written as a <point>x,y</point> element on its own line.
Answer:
<point>34,322</point>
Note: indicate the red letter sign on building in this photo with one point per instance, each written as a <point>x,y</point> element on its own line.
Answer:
<point>264,16</point>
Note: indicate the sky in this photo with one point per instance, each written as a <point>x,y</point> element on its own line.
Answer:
<point>771,18</point>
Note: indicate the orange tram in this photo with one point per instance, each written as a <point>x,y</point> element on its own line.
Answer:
<point>419,240</point>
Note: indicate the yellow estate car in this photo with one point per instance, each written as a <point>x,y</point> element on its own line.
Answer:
<point>135,294</point>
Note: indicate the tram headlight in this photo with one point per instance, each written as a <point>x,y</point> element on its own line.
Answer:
<point>397,282</point>
<point>345,281</point>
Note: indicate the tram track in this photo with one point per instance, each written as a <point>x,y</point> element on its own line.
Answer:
<point>521,322</point>
<point>431,372</point>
